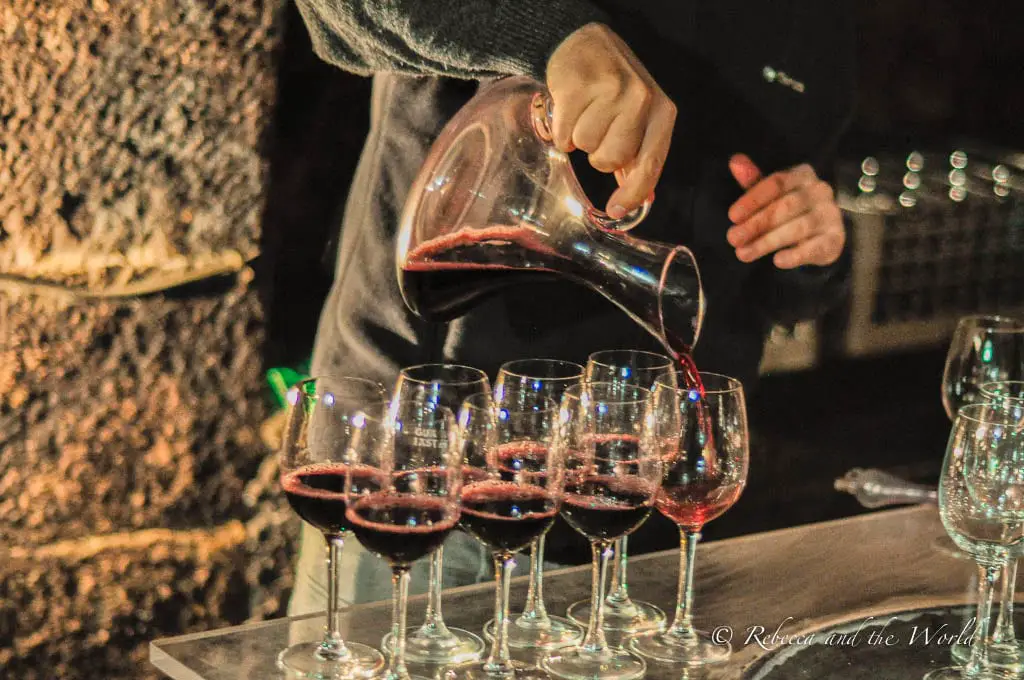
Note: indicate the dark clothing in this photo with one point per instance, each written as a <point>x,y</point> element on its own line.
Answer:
<point>708,57</point>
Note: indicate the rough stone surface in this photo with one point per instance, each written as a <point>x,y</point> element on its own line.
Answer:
<point>129,136</point>
<point>131,161</point>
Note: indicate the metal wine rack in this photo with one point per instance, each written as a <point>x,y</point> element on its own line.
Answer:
<point>935,235</point>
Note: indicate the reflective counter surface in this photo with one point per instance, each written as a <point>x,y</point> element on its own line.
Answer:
<point>760,589</point>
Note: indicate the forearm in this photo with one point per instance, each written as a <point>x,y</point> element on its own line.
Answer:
<point>464,39</point>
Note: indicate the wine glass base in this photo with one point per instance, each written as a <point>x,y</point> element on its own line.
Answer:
<point>301,661</point>
<point>667,648</point>
<point>578,664</point>
<point>956,673</point>
<point>629,617</point>
<point>1003,656</point>
<point>458,647</point>
<point>526,633</point>
<point>519,671</point>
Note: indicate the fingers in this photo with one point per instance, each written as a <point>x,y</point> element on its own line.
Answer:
<point>744,170</point>
<point>592,128</point>
<point>607,104</point>
<point>769,190</point>
<point>789,233</point>
<point>645,172</point>
<point>564,119</point>
<point>784,208</point>
<point>791,213</point>
<point>821,250</point>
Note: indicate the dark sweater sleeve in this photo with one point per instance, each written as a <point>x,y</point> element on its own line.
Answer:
<point>456,38</point>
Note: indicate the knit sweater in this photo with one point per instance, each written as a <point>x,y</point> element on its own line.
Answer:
<point>455,38</point>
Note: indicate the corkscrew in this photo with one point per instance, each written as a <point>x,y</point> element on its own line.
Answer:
<point>877,489</point>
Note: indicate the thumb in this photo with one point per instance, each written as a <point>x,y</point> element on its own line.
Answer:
<point>744,170</point>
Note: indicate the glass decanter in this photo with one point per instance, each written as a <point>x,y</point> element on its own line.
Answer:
<point>496,201</point>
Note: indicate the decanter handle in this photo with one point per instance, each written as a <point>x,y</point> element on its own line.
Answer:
<point>542,113</point>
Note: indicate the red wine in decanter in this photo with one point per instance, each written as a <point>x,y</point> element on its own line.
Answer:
<point>443,277</point>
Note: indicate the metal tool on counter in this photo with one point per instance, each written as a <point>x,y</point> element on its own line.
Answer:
<point>877,489</point>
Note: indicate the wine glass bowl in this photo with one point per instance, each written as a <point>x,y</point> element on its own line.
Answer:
<point>703,440</point>
<point>313,470</point>
<point>612,474</point>
<point>984,348</point>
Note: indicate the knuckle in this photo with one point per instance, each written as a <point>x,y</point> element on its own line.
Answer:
<point>601,162</point>
<point>826,191</point>
<point>640,95</point>
<point>777,181</point>
<point>585,138</point>
<point>792,203</point>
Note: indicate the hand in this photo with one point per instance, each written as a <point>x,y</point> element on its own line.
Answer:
<point>607,104</point>
<point>791,213</point>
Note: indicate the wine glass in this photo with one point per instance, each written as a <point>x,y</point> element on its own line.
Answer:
<point>705,448</point>
<point>526,383</point>
<point>402,492</point>
<point>1007,652</point>
<point>447,385</point>
<point>622,613</point>
<point>513,498</point>
<point>984,348</point>
<point>612,473</point>
<point>312,467</point>
<point>981,503</point>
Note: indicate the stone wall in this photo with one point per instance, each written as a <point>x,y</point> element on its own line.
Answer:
<point>131,163</point>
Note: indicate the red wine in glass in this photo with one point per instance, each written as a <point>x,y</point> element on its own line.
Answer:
<point>400,528</point>
<point>693,505</point>
<point>505,516</point>
<point>605,507</point>
<point>523,460</point>
<point>317,494</point>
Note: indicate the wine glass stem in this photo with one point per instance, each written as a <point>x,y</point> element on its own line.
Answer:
<point>333,648</point>
<point>535,610</point>
<point>978,662</point>
<point>682,626</point>
<point>1004,632</point>
<point>399,601</point>
<point>498,662</point>
<point>434,623</point>
<point>619,587</point>
<point>595,642</point>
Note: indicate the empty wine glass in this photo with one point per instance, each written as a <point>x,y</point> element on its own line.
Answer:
<point>612,475</point>
<point>525,383</point>
<point>447,385</point>
<point>512,494</point>
<point>402,490</point>
<point>318,427</point>
<point>705,447</point>
<point>984,348</point>
<point>622,613</point>
<point>1007,651</point>
<point>981,502</point>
